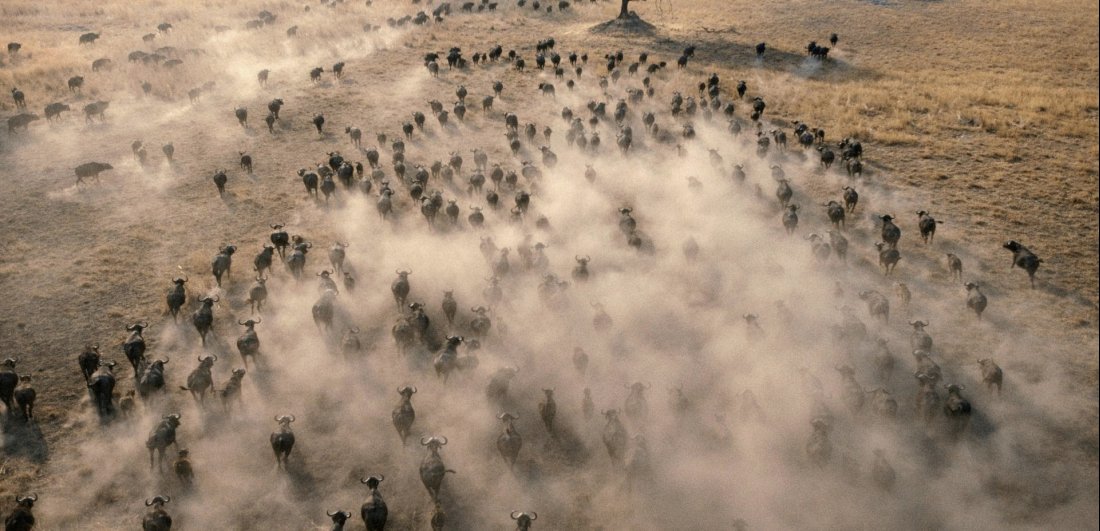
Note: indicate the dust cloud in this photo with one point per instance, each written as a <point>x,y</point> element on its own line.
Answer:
<point>751,329</point>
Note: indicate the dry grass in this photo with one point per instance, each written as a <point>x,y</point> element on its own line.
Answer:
<point>963,89</point>
<point>955,96</point>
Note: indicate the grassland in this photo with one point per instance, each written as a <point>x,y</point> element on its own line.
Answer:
<point>987,111</point>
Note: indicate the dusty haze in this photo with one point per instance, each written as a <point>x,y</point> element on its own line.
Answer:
<point>84,261</point>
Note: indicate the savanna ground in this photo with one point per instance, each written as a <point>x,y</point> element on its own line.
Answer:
<point>984,113</point>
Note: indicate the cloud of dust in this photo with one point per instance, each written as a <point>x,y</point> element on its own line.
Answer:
<point>736,450</point>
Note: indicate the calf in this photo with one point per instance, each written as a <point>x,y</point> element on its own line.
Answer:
<point>162,436</point>
<point>152,379</point>
<point>223,261</point>
<point>888,257</point>
<point>927,225</point>
<point>975,299</point>
<point>1024,259</point>
<point>957,410</point>
<point>232,391</point>
<point>955,266</point>
<point>200,380</point>
<point>992,375</point>
<point>249,342</point>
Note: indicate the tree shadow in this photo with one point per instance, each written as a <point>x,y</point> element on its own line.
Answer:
<point>719,48</point>
<point>629,25</point>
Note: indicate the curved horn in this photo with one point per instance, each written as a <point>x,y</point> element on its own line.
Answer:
<point>424,441</point>
<point>516,514</point>
<point>174,416</point>
<point>534,516</point>
<point>217,298</point>
<point>444,442</point>
<point>414,389</point>
<point>334,513</point>
<point>290,418</point>
<point>240,322</point>
<point>259,320</point>
<point>200,358</point>
<point>148,502</point>
<point>278,417</point>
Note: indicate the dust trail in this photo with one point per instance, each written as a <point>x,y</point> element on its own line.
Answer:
<point>735,448</point>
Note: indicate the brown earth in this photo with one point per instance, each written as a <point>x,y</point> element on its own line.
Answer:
<point>984,113</point>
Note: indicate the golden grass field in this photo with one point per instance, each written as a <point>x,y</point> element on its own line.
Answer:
<point>984,113</point>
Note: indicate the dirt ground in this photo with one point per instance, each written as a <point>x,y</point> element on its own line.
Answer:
<point>984,114</point>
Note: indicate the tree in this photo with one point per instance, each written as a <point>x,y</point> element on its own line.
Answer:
<point>624,12</point>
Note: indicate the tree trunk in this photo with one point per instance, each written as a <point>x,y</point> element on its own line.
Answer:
<point>624,13</point>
